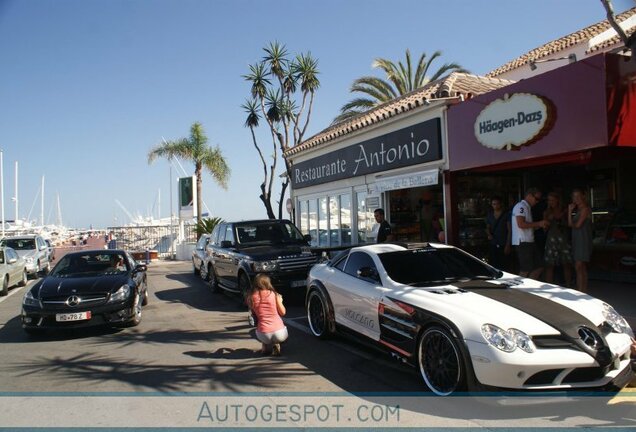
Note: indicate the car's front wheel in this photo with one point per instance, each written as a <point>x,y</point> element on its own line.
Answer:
<point>440,361</point>
<point>318,314</point>
<point>136,318</point>
<point>244,286</point>
<point>195,269</point>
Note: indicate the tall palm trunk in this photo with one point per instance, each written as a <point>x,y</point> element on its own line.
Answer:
<point>197,173</point>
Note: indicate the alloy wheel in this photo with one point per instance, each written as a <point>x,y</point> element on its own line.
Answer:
<point>439,361</point>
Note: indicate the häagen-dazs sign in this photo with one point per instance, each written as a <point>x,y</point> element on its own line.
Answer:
<point>412,145</point>
<point>516,120</point>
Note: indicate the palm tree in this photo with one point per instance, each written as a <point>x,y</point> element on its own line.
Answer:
<point>400,79</point>
<point>207,225</point>
<point>196,150</point>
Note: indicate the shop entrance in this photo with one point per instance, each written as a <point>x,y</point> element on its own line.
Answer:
<point>416,214</point>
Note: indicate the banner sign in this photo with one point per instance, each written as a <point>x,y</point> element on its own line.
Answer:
<point>412,145</point>
<point>421,179</point>
<point>516,120</point>
<point>187,197</point>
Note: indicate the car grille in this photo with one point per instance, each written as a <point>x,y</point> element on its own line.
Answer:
<point>60,301</point>
<point>297,262</point>
<point>576,376</point>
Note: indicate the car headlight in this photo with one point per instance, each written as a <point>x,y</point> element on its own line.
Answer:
<point>616,321</point>
<point>264,266</point>
<point>507,340</point>
<point>119,295</point>
<point>29,300</point>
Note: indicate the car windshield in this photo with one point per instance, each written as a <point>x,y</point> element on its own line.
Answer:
<point>20,244</point>
<point>433,266</point>
<point>268,233</point>
<point>89,265</point>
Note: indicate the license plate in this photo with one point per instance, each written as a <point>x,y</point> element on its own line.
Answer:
<point>298,283</point>
<point>77,316</point>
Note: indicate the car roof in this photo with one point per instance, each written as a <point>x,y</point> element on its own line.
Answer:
<point>97,251</point>
<point>21,237</point>
<point>257,221</point>
<point>379,248</point>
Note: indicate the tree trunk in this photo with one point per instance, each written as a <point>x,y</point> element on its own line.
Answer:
<point>282,199</point>
<point>266,199</point>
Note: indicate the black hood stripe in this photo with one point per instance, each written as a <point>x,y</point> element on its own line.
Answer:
<point>556,315</point>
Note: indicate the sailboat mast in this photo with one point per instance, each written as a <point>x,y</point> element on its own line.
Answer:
<point>42,203</point>
<point>59,211</point>
<point>15,197</point>
<point>2,188</point>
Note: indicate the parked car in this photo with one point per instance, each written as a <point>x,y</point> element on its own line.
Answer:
<point>87,288</point>
<point>198,256</point>
<point>238,251</point>
<point>12,270</point>
<point>465,325</point>
<point>34,251</point>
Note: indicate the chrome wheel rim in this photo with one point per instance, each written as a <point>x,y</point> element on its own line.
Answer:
<point>439,362</point>
<point>316,315</point>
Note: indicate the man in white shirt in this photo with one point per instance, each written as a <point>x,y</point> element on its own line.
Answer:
<point>523,227</point>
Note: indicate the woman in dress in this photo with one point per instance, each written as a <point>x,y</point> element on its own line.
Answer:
<point>557,245</point>
<point>580,220</point>
<point>267,306</point>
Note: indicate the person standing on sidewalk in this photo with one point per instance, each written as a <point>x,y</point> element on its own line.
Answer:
<point>498,227</point>
<point>580,220</point>
<point>530,263</point>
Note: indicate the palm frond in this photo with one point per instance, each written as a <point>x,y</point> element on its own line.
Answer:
<point>382,87</point>
<point>258,78</point>
<point>214,162</point>
<point>252,108</point>
<point>180,148</point>
<point>276,58</point>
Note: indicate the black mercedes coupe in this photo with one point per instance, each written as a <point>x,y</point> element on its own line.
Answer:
<point>87,288</point>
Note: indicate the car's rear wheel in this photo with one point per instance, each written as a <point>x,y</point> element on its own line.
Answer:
<point>244,286</point>
<point>213,280</point>
<point>24,279</point>
<point>440,361</point>
<point>318,315</point>
<point>5,286</point>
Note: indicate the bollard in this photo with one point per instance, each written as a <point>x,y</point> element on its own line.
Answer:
<point>147,256</point>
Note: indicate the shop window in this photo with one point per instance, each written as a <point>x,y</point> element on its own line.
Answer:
<point>323,238</point>
<point>365,219</point>
<point>313,222</point>
<point>335,232</point>
<point>304,217</point>
<point>345,219</point>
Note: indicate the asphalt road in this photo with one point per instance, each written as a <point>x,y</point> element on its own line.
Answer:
<point>196,342</point>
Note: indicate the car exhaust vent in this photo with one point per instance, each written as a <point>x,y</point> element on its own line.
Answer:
<point>585,374</point>
<point>545,377</point>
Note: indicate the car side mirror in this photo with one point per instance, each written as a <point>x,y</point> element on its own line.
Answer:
<point>12,260</point>
<point>43,247</point>
<point>140,268</point>
<point>307,238</point>
<point>225,244</point>
<point>369,273</point>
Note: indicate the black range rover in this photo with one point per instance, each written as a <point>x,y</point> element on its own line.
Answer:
<point>237,251</point>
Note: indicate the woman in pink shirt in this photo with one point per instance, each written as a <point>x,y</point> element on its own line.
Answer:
<point>267,306</point>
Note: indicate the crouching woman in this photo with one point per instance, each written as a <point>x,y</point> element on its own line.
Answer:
<point>267,307</point>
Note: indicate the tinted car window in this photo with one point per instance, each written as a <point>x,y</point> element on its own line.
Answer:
<point>20,244</point>
<point>356,261</point>
<point>11,254</point>
<point>214,237</point>
<point>272,232</point>
<point>340,262</point>
<point>432,266</point>
<point>229,233</point>
<point>91,264</point>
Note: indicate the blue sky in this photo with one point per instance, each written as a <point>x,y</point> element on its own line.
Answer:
<point>87,87</point>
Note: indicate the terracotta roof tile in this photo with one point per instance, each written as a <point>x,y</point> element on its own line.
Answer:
<point>453,85</point>
<point>609,42</point>
<point>561,44</point>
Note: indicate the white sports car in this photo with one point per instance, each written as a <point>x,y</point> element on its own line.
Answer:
<point>466,325</point>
